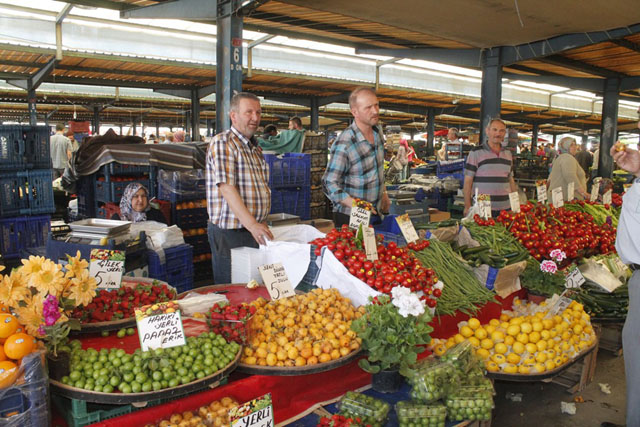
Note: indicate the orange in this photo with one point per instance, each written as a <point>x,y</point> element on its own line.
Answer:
<point>8,325</point>
<point>4,308</point>
<point>2,355</point>
<point>18,345</point>
<point>8,373</point>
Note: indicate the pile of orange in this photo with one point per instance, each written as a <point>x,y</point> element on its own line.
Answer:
<point>302,330</point>
<point>194,232</point>
<point>201,257</point>
<point>192,204</point>
<point>15,345</point>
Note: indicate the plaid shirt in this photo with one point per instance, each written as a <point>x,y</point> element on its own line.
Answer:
<point>356,169</point>
<point>235,160</point>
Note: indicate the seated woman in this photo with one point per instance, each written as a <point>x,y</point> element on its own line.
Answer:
<point>135,207</point>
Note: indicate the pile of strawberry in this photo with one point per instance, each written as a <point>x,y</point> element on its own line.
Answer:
<point>338,420</point>
<point>230,321</point>
<point>120,304</point>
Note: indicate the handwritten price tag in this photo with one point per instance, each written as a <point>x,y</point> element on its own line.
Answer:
<point>407,229</point>
<point>484,202</point>
<point>255,413</point>
<point>556,197</point>
<point>160,326</point>
<point>560,305</point>
<point>359,215</point>
<point>276,280</point>
<point>575,279</point>
<point>606,198</point>
<point>571,190</point>
<point>595,189</point>
<point>107,266</point>
<point>370,245</point>
<point>514,201</point>
<point>541,190</point>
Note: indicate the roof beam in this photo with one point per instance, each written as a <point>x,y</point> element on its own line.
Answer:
<point>470,58</point>
<point>583,67</point>
<point>103,4</point>
<point>35,80</point>
<point>63,13</point>
<point>201,10</point>
<point>582,83</point>
<point>291,99</point>
<point>629,83</point>
<point>340,97</point>
<point>627,44</point>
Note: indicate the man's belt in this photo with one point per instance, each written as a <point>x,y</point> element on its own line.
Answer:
<point>634,267</point>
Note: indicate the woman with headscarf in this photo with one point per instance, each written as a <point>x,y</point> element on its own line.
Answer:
<point>566,169</point>
<point>135,207</point>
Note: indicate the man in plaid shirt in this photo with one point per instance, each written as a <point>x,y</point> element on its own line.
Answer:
<point>356,165</point>
<point>238,193</point>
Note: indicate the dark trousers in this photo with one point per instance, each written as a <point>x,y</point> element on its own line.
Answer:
<point>221,242</point>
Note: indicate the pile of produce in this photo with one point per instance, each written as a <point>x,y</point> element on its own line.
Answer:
<point>338,420</point>
<point>542,228</point>
<point>214,414</point>
<point>528,340</point>
<point>302,330</point>
<point>602,214</point>
<point>395,266</point>
<point>14,345</point>
<point>498,248</point>
<point>415,414</point>
<point>119,304</point>
<point>230,321</point>
<point>369,410</point>
<point>462,290</point>
<point>113,369</point>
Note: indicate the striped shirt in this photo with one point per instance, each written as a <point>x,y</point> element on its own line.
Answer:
<point>235,160</point>
<point>491,173</point>
<point>356,169</point>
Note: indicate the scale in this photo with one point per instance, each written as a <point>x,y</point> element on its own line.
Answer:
<point>98,231</point>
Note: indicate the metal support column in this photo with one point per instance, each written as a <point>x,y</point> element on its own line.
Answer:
<point>554,139</point>
<point>609,126</point>
<point>195,115</point>
<point>534,136</point>
<point>315,113</point>
<point>187,123</point>
<point>209,130</point>
<point>157,131</point>
<point>585,139</point>
<point>120,129</point>
<point>96,120</point>
<point>491,89</point>
<point>229,61</point>
<point>431,129</point>
<point>31,100</point>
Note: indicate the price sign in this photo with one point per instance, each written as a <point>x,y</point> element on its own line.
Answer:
<point>359,215</point>
<point>407,229</point>
<point>574,279</point>
<point>541,190</point>
<point>514,201</point>
<point>625,187</point>
<point>559,306</point>
<point>606,198</point>
<point>256,413</point>
<point>276,280</point>
<point>571,190</point>
<point>556,197</point>
<point>107,266</point>
<point>595,189</point>
<point>160,325</point>
<point>484,203</point>
<point>370,244</point>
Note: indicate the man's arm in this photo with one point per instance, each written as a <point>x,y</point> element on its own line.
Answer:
<point>258,230</point>
<point>466,189</point>
<point>512,184</point>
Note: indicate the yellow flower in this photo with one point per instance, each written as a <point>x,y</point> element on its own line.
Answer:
<point>48,279</point>
<point>12,289</point>
<point>76,266</point>
<point>32,265</point>
<point>31,315</point>
<point>83,288</point>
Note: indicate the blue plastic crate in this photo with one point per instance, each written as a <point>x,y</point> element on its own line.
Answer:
<point>37,146</point>
<point>289,170</point>
<point>189,218</point>
<point>400,209</point>
<point>457,175</point>
<point>292,201</point>
<point>391,237</point>
<point>12,403</point>
<point>177,270</point>
<point>11,148</point>
<point>14,197</point>
<point>109,191</point>
<point>180,186</point>
<point>200,244</point>
<point>450,166</point>
<point>37,229</point>
<point>12,236</point>
<point>40,191</point>
<point>114,168</point>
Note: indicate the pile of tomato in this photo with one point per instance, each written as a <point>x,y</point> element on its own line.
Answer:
<point>395,266</point>
<point>542,228</point>
<point>616,199</point>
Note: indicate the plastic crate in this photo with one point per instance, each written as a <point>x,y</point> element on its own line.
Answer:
<point>13,237</point>
<point>177,270</point>
<point>113,168</point>
<point>190,218</point>
<point>37,229</point>
<point>289,170</point>
<point>203,271</point>
<point>13,403</point>
<point>14,199</point>
<point>294,201</point>
<point>37,146</point>
<point>390,230</point>
<point>40,191</point>
<point>109,191</point>
<point>181,186</point>
<point>11,148</point>
<point>450,166</point>
<point>457,175</point>
<point>399,209</point>
<point>200,244</point>
<point>79,413</point>
<point>85,188</point>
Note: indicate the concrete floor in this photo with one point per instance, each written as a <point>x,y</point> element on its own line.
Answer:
<point>540,406</point>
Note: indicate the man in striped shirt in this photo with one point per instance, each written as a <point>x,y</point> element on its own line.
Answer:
<point>238,194</point>
<point>488,170</point>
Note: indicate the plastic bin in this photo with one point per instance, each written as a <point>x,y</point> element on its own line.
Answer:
<point>457,175</point>
<point>11,148</point>
<point>36,231</point>
<point>40,191</point>
<point>450,166</point>
<point>203,271</point>
<point>289,170</point>
<point>109,191</point>
<point>292,201</point>
<point>18,234</point>
<point>114,168</point>
<point>177,269</point>
<point>179,186</point>
<point>189,218</point>
<point>85,188</point>
<point>14,199</point>
<point>37,146</point>
<point>200,244</point>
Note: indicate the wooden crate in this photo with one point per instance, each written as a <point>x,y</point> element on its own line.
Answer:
<point>610,337</point>
<point>579,375</point>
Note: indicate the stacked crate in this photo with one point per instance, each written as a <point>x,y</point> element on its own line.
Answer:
<point>109,184</point>
<point>289,180</point>
<point>26,185</point>
<point>315,144</point>
<point>186,193</point>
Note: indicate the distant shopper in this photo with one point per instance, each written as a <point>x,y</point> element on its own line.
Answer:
<point>585,159</point>
<point>453,150</point>
<point>295,123</point>
<point>61,149</point>
<point>135,207</point>
<point>178,136</point>
<point>270,130</point>
<point>168,137</point>
<point>74,143</point>
<point>566,169</point>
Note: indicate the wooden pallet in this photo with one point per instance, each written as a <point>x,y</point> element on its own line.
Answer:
<point>578,376</point>
<point>610,337</point>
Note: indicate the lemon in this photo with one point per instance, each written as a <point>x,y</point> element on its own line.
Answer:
<point>494,322</point>
<point>547,323</point>
<point>534,337</point>
<point>540,315</point>
<point>473,323</point>
<point>513,358</point>
<point>483,353</point>
<point>549,365</point>
<point>558,361</point>
<point>577,329</point>
<point>513,330</point>
<point>565,346</point>
<point>539,367</point>
<point>588,329</point>
<point>486,343</point>
<point>553,332</point>
<point>497,336</point>
<point>492,366</point>
<point>504,317</point>
<point>529,360</point>
<point>474,341</point>
<point>458,338</point>
<point>510,369</point>
<point>566,335</point>
<point>504,325</point>
<point>518,347</point>
<point>541,357</point>
<point>516,321</point>
<point>531,348</point>
<point>509,340</point>
<point>557,319</point>
<point>583,345</point>
<point>537,326</point>
<point>526,327</point>
<point>450,343</point>
<point>523,338</point>
<point>500,348</point>
<point>545,335</point>
<point>523,369</point>
<point>481,333</point>
<point>439,350</point>
<point>466,331</point>
<point>542,345</point>
<point>499,358</point>
<point>490,329</point>
<point>551,353</point>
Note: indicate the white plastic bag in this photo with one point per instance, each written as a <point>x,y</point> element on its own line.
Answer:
<point>194,302</point>
<point>159,236</point>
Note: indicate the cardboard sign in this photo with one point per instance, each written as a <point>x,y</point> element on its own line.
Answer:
<point>160,325</point>
<point>406,226</point>
<point>370,244</point>
<point>514,201</point>
<point>107,266</point>
<point>556,197</point>
<point>541,190</point>
<point>575,279</point>
<point>484,203</point>
<point>571,190</point>
<point>276,280</point>
<point>359,215</point>
<point>256,413</point>
<point>595,189</point>
<point>559,305</point>
<point>606,198</point>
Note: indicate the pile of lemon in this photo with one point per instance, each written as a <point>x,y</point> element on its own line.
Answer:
<point>528,340</point>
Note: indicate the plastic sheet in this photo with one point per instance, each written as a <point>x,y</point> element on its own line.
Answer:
<point>28,396</point>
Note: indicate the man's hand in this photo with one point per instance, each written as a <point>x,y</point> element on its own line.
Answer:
<point>466,210</point>
<point>627,159</point>
<point>385,203</point>
<point>260,233</point>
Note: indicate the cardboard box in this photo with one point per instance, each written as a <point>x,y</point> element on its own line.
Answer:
<point>323,225</point>
<point>436,216</point>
